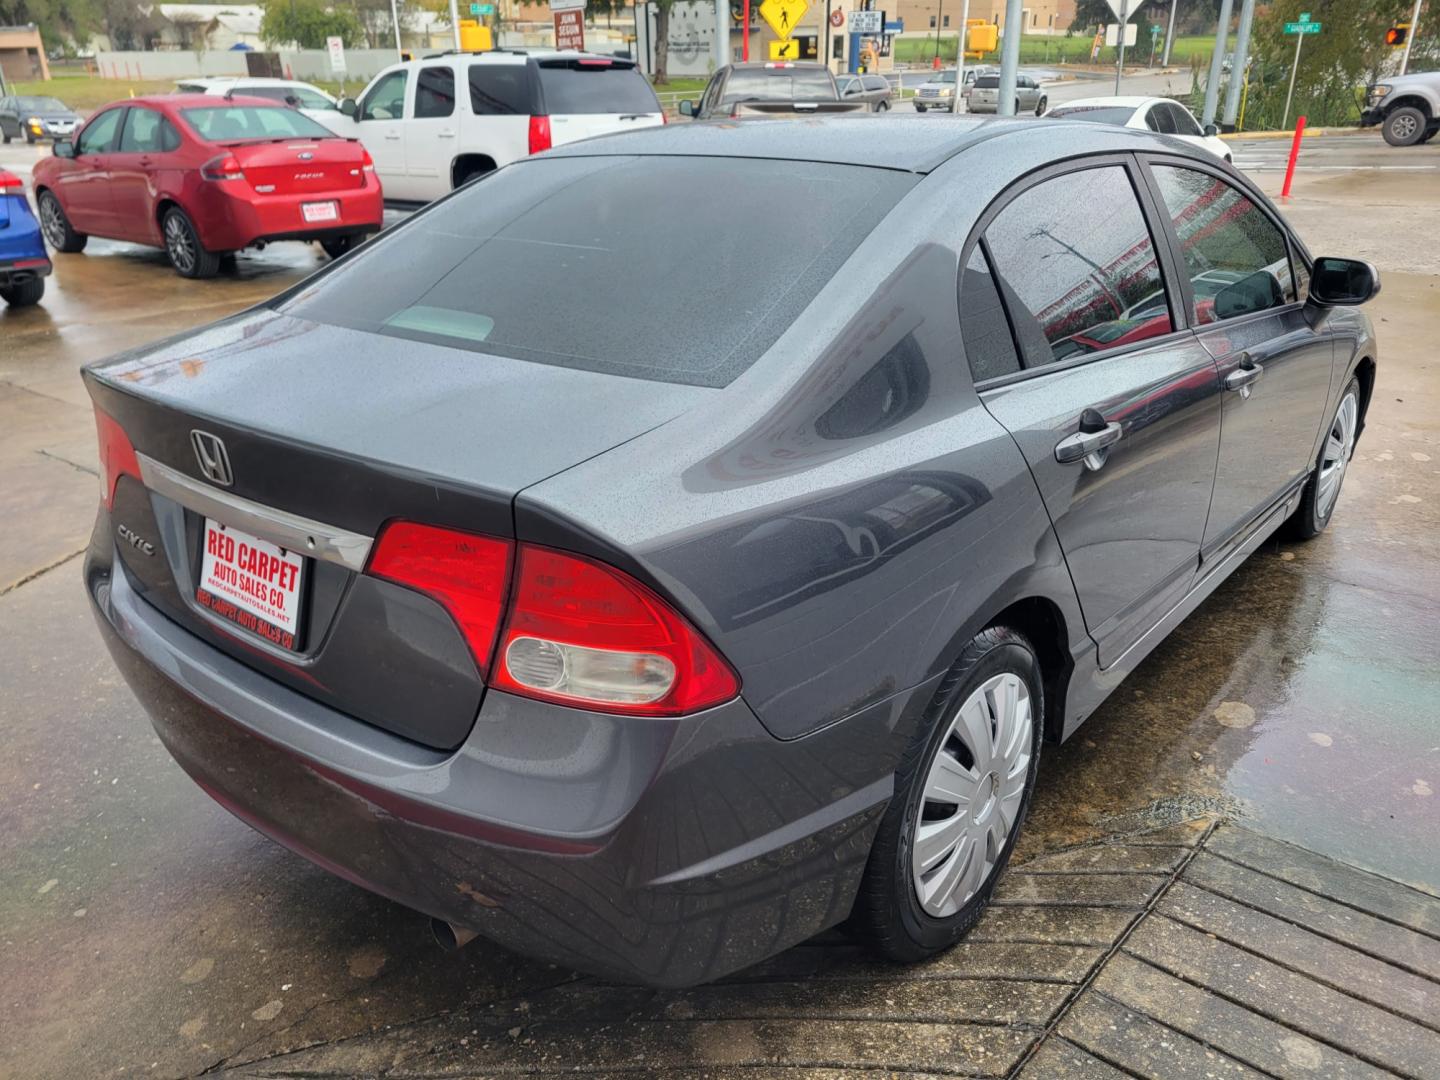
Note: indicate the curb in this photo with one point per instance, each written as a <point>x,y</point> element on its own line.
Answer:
<point>1250,135</point>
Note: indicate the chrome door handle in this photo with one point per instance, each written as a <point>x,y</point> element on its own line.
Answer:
<point>1244,376</point>
<point>392,135</point>
<point>1088,445</point>
<point>446,134</point>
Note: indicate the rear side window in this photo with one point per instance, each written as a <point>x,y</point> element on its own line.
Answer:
<point>988,343</point>
<point>144,132</point>
<point>1159,119</point>
<point>779,84</point>
<point>1096,114</point>
<point>1077,266</point>
<point>235,123</point>
<point>574,87</point>
<point>567,261</point>
<point>1235,255</point>
<point>435,92</point>
<point>500,90</point>
<point>1185,124</point>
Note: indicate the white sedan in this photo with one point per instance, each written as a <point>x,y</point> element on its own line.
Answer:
<point>310,100</point>
<point>1147,113</point>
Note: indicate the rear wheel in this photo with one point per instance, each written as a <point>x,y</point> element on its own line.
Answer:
<point>1322,490</point>
<point>339,245</point>
<point>6,134</point>
<point>1404,126</point>
<point>182,244</point>
<point>1040,106</point>
<point>30,137</point>
<point>24,293</point>
<point>56,226</point>
<point>882,106</point>
<point>961,794</point>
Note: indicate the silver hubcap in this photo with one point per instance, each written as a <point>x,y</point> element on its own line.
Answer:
<point>1403,126</point>
<point>179,243</point>
<point>972,795</point>
<point>52,221</point>
<point>1339,445</point>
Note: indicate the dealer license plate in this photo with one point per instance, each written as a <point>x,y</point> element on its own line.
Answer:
<point>252,583</point>
<point>320,211</point>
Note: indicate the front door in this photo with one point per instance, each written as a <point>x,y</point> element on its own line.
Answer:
<point>1114,404</point>
<point>1249,314</point>
<point>430,132</point>
<point>142,150</point>
<point>85,197</point>
<point>381,119</point>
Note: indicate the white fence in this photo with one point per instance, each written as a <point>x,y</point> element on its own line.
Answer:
<point>361,65</point>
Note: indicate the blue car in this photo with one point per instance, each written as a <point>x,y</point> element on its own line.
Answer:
<point>23,262</point>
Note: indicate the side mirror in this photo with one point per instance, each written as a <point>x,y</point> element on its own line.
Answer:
<point>687,108</point>
<point>64,148</point>
<point>1211,131</point>
<point>1343,281</point>
<point>349,108</point>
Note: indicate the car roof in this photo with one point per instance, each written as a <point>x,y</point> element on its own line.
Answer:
<point>193,101</point>
<point>1122,102</point>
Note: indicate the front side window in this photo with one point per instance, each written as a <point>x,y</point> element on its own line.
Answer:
<point>1235,255</point>
<point>500,90</point>
<point>1077,267</point>
<point>386,99</point>
<point>99,134</point>
<point>435,92</point>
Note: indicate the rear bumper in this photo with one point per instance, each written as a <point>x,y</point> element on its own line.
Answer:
<point>663,852</point>
<point>15,271</point>
<point>230,215</point>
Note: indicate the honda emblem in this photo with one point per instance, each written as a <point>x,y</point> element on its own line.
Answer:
<point>214,461</point>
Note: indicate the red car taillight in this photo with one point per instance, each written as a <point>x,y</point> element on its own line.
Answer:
<point>10,180</point>
<point>539,134</point>
<point>367,163</point>
<point>117,456</point>
<point>576,632</point>
<point>224,167</point>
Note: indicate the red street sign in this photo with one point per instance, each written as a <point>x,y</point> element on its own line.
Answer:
<point>570,30</point>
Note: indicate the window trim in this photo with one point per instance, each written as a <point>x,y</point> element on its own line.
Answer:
<point>1170,275</point>
<point>1240,183</point>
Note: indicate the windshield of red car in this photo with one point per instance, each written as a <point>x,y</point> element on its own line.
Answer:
<point>237,123</point>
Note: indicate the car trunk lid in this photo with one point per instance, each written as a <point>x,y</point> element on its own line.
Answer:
<point>300,166</point>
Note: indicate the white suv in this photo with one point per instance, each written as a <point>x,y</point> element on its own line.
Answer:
<point>433,124</point>
<point>310,100</point>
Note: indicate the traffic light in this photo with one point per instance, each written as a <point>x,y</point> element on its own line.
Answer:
<point>1396,35</point>
<point>982,37</point>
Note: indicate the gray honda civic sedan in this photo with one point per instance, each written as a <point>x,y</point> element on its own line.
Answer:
<point>676,544</point>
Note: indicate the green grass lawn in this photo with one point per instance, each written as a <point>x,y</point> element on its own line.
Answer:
<point>84,93</point>
<point>1044,49</point>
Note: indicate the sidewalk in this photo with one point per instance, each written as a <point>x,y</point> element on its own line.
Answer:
<point>1195,950</point>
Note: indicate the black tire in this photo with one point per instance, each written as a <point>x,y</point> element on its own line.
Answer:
<point>919,108</point>
<point>1404,126</point>
<point>1316,509</point>
<point>56,226</point>
<point>30,137</point>
<point>340,245</point>
<point>24,293</point>
<point>6,134</point>
<point>1041,105</point>
<point>470,175</point>
<point>1430,134</point>
<point>882,106</point>
<point>888,914</point>
<point>182,243</point>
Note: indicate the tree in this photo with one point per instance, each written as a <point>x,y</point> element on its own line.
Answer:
<point>308,23</point>
<point>59,21</point>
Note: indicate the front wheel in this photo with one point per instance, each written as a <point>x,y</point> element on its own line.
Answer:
<point>882,106</point>
<point>29,137</point>
<point>56,226</point>
<point>1040,106</point>
<point>961,794</point>
<point>182,244</point>
<point>919,107</point>
<point>25,293</point>
<point>336,246</point>
<point>1404,126</point>
<point>1322,490</point>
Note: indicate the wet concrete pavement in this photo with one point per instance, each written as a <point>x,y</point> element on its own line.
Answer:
<point>143,930</point>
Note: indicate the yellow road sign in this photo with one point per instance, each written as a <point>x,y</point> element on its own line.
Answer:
<point>785,50</point>
<point>784,15</point>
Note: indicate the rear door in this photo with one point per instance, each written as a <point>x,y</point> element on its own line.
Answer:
<point>85,184</point>
<point>1241,290</point>
<point>380,116</point>
<point>502,100</point>
<point>431,128</point>
<point>1113,402</point>
<point>586,96</point>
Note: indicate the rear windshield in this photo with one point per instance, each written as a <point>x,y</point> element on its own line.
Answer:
<point>41,104</point>
<point>1099,114</point>
<point>780,84</point>
<point>628,265</point>
<point>236,123</point>
<point>987,82</point>
<point>597,86</point>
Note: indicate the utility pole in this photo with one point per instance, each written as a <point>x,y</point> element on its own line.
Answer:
<point>395,15</point>
<point>939,18</point>
<point>722,32</point>
<point>1009,58</point>
<point>1169,34</point>
<point>1237,70</point>
<point>1120,59</point>
<point>1289,94</point>
<point>1212,85</point>
<point>455,23</point>
<point>960,57</point>
<point>1414,26</point>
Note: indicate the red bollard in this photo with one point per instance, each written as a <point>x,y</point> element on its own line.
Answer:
<point>745,35</point>
<point>1294,153</point>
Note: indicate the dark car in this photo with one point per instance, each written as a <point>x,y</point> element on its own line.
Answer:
<point>774,88</point>
<point>36,118</point>
<point>650,613</point>
<point>874,90</point>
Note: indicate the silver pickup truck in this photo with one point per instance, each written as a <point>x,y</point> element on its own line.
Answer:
<point>1407,108</point>
<point>774,89</point>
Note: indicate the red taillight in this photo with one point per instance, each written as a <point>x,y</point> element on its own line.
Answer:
<point>467,573</point>
<point>367,163</point>
<point>117,456</point>
<point>585,634</point>
<point>224,167</point>
<point>539,134</point>
<point>10,180</point>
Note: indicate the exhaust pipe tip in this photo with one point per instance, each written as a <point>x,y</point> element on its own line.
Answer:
<point>449,936</point>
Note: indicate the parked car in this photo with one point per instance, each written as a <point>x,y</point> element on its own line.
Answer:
<point>937,92</point>
<point>1407,108</point>
<point>777,88</point>
<point>984,95</point>
<point>1160,115</point>
<point>310,100</point>
<point>23,262</point>
<point>36,118</point>
<point>435,124</point>
<point>201,176</point>
<point>615,630</point>
<point>874,90</point>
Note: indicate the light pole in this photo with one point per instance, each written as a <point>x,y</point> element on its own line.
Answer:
<point>1009,58</point>
<point>960,57</point>
<point>1237,70</point>
<point>1212,86</point>
<point>939,18</point>
<point>1169,34</point>
<point>1414,26</point>
<point>1120,60</point>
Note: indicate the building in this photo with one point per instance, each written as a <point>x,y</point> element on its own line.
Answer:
<point>1038,16</point>
<point>22,54</point>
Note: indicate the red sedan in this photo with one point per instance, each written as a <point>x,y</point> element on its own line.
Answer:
<point>201,176</point>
